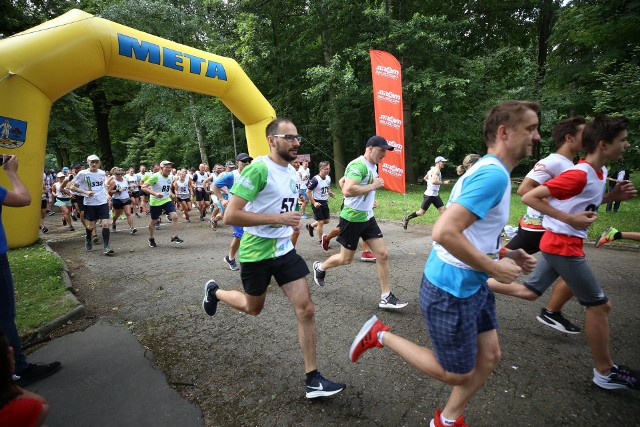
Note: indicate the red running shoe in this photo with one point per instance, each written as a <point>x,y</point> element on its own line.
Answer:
<point>324,242</point>
<point>367,338</point>
<point>368,256</point>
<point>437,422</point>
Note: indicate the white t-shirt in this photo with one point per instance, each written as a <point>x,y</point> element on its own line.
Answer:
<point>546,169</point>
<point>304,174</point>
<point>92,181</point>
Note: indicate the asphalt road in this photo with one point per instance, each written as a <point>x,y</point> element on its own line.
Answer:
<point>244,370</point>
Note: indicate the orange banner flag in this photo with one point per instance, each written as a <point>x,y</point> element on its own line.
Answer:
<point>387,102</point>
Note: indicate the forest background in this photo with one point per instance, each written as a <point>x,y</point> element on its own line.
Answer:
<point>310,58</point>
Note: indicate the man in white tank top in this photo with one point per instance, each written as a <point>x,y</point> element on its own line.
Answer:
<point>432,193</point>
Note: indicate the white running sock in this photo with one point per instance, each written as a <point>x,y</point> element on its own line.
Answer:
<point>447,422</point>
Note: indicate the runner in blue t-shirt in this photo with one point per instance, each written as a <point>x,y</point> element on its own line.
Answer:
<point>456,303</point>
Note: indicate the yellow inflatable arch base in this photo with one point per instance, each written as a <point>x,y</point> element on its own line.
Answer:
<point>46,62</point>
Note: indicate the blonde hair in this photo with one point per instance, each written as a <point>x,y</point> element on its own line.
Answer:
<point>468,161</point>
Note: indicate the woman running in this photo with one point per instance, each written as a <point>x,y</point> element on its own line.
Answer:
<point>183,188</point>
<point>63,200</point>
<point>118,189</point>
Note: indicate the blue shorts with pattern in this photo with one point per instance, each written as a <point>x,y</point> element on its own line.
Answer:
<point>454,324</point>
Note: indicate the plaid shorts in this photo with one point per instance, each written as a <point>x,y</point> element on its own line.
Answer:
<point>454,324</point>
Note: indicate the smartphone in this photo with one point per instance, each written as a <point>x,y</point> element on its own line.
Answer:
<point>4,158</point>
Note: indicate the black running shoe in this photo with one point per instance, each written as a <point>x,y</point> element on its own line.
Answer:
<point>319,386</point>
<point>96,239</point>
<point>318,276</point>
<point>309,229</point>
<point>210,302</point>
<point>36,372</point>
<point>557,321</point>
<point>176,240</point>
<point>152,243</point>
<point>618,377</point>
<point>64,222</point>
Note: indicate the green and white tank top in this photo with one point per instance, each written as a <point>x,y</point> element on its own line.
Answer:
<point>159,184</point>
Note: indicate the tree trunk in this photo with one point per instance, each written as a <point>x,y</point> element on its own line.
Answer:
<point>101,111</point>
<point>338,145</point>
<point>62,156</point>
<point>544,32</point>
<point>198,126</point>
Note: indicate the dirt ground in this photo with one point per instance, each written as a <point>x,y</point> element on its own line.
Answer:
<point>244,370</point>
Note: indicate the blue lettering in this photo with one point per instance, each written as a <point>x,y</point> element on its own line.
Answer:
<point>215,69</point>
<point>172,58</point>
<point>195,63</point>
<point>129,46</point>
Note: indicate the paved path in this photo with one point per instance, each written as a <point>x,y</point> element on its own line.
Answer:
<point>243,370</point>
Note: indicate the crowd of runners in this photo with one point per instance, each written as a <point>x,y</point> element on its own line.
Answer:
<point>265,199</point>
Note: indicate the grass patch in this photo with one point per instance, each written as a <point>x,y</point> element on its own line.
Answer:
<point>39,289</point>
<point>391,206</point>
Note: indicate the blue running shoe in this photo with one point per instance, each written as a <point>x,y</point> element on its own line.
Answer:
<point>322,387</point>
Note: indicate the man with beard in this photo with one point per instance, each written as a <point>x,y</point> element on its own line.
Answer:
<point>264,201</point>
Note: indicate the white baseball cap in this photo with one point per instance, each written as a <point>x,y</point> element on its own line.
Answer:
<point>440,159</point>
<point>93,157</point>
<point>165,163</point>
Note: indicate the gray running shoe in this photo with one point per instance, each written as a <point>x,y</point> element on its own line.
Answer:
<point>618,377</point>
<point>318,276</point>
<point>87,244</point>
<point>392,302</point>
<point>233,265</point>
<point>108,250</point>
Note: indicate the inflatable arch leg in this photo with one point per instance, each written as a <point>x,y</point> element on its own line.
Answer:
<point>42,64</point>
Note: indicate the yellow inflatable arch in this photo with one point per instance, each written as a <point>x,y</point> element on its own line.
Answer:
<point>46,62</point>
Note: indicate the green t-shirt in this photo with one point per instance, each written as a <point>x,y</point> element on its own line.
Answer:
<point>360,208</point>
<point>269,188</point>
